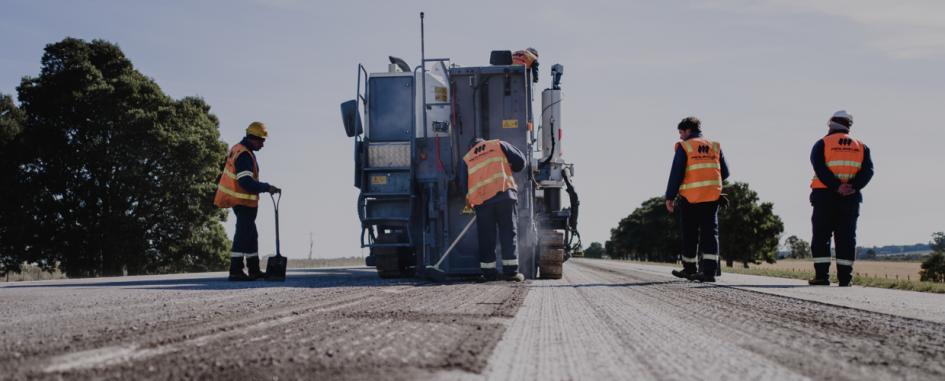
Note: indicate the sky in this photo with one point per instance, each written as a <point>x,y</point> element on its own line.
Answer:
<point>764,76</point>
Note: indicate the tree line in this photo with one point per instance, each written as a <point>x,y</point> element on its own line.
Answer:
<point>750,232</point>
<point>103,173</point>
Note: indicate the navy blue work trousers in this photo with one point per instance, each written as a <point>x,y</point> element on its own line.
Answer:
<point>246,238</point>
<point>700,232</point>
<point>502,217</point>
<point>835,217</point>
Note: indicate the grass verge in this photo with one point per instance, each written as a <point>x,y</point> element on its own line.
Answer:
<point>859,280</point>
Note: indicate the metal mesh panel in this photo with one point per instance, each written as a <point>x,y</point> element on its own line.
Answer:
<point>387,155</point>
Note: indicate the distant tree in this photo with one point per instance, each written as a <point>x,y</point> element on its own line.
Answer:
<point>112,175</point>
<point>797,248</point>
<point>933,268</point>
<point>938,242</point>
<point>869,254</point>
<point>647,234</point>
<point>749,230</point>
<point>595,250</point>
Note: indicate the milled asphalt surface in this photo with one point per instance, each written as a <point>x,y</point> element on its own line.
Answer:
<point>603,320</point>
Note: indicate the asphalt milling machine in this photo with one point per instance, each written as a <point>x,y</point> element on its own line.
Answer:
<point>417,125</point>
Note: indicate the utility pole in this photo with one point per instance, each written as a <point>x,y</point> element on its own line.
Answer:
<point>311,244</point>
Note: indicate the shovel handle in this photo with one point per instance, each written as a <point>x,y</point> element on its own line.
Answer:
<point>275,204</point>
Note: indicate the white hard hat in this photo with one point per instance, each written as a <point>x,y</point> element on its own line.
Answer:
<point>843,114</point>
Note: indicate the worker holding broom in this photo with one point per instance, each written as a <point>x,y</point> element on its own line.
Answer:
<point>239,188</point>
<point>486,174</point>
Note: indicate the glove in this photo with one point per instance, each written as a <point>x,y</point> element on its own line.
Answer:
<point>274,189</point>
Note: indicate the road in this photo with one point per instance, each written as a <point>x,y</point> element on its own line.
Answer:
<point>603,320</point>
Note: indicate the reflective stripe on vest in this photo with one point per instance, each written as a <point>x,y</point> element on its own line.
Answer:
<point>229,192</point>
<point>489,172</point>
<point>702,181</point>
<point>843,155</point>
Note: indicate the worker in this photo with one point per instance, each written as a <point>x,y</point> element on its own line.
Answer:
<point>486,174</point>
<point>239,188</point>
<point>529,58</point>
<point>695,188</point>
<point>842,168</point>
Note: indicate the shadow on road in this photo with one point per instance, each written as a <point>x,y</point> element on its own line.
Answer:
<point>296,278</point>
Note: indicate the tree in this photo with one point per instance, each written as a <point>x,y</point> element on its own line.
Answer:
<point>749,229</point>
<point>11,125</point>
<point>869,254</point>
<point>113,175</point>
<point>595,250</point>
<point>933,268</point>
<point>647,234</point>
<point>938,242</point>
<point>797,248</point>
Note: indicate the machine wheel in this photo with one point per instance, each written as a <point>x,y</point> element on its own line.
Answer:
<point>388,266</point>
<point>553,239</point>
<point>550,262</point>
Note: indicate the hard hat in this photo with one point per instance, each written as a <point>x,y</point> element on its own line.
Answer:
<point>532,52</point>
<point>843,114</point>
<point>257,129</point>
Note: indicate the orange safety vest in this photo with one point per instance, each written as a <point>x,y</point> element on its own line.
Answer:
<point>843,155</point>
<point>489,172</point>
<point>703,179</point>
<point>229,191</point>
<point>522,58</point>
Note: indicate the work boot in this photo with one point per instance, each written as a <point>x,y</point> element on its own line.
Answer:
<point>252,263</point>
<point>514,277</point>
<point>702,277</point>
<point>488,276</point>
<point>818,281</point>
<point>236,270</point>
<point>689,269</point>
<point>844,275</point>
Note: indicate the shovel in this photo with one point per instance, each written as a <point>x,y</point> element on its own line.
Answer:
<point>436,267</point>
<point>275,266</point>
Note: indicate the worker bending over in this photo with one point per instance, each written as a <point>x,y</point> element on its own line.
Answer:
<point>696,177</point>
<point>842,167</point>
<point>239,188</point>
<point>486,174</point>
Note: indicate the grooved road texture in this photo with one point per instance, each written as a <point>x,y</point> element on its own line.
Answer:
<point>320,324</point>
<point>604,320</point>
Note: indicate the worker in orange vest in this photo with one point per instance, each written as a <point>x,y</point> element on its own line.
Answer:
<point>842,167</point>
<point>696,178</point>
<point>486,174</point>
<point>239,188</point>
<point>528,58</point>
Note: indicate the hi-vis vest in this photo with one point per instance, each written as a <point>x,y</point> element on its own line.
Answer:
<point>843,155</point>
<point>703,179</point>
<point>489,172</point>
<point>229,192</point>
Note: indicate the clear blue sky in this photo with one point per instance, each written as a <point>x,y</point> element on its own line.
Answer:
<point>764,76</point>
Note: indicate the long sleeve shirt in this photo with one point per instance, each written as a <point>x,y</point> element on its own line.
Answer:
<point>516,161</point>
<point>827,177</point>
<point>244,163</point>
<point>678,171</point>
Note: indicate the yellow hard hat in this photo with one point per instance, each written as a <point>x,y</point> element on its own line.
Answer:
<point>257,129</point>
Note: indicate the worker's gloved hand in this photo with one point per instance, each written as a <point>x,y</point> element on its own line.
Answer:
<point>723,201</point>
<point>468,209</point>
<point>846,189</point>
<point>274,189</point>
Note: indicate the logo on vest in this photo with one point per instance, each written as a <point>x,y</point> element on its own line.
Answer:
<point>703,149</point>
<point>479,149</point>
<point>845,142</point>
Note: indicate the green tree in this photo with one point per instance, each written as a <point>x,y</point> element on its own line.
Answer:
<point>749,230</point>
<point>114,175</point>
<point>938,242</point>
<point>647,234</point>
<point>933,268</point>
<point>797,248</point>
<point>11,232</point>
<point>595,250</point>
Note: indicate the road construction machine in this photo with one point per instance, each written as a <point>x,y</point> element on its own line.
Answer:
<point>411,128</point>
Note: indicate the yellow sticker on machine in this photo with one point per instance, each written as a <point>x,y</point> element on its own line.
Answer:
<point>441,94</point>
<point>510,123</point>
<point>379,180</point>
